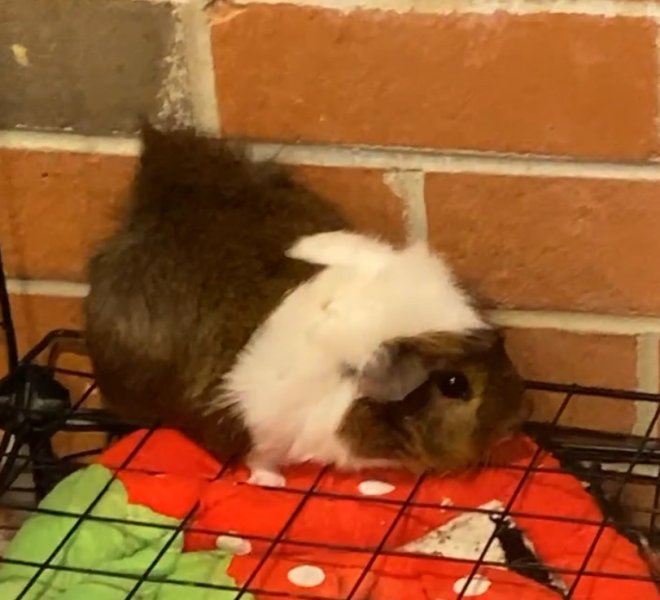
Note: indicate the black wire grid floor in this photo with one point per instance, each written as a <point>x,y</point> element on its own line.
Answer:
<point>34,410</point>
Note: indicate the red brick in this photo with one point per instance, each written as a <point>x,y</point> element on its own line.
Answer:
<point>54,206</point>
<point>361,195</point>
<point>550,243</point>
<point>34,316</point>
<point>587,359</point>
<point>545,83</point>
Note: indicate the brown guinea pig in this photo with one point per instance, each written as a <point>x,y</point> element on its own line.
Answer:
<point>231,304</point>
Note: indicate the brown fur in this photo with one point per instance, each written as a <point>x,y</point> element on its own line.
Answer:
<point>427,430</point>
<point>195,266</point>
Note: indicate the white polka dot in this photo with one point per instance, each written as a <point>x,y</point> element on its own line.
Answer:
<point>233,544</point>
<point>375,488</point>
<point>307,576</point>
<point>478,586</point>
<point>446,502</point>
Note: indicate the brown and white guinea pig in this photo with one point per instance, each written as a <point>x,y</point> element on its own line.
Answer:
<point>232,304</point>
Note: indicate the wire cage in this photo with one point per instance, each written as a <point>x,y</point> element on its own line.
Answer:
<point>36,410</point>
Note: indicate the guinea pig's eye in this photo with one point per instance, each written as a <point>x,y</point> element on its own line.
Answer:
<point>452,384</point>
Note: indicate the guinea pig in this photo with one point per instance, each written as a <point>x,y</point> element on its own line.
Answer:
<point>235,305</point>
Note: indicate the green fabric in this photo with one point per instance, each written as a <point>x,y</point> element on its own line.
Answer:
<point>118,548</point>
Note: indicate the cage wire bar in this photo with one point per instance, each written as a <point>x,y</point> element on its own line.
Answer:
<point>35,407</point>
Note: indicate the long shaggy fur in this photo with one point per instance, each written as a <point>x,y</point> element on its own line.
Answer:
<point>197,262</point>
<point>233,304</point>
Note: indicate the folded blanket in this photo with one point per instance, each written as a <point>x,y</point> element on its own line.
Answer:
<point>327,538</point>
<point>121,550</point>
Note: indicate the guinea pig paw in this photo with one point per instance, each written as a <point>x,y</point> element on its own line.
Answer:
<point>266,478</point>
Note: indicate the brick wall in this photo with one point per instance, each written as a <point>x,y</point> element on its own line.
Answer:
<point>523,142</point>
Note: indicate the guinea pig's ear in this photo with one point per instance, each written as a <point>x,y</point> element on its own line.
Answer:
<point>392,372</point>
<point>401,365</point>
<point>341,249</point>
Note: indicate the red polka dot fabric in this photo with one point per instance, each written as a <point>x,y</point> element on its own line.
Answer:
<point>322,543</point>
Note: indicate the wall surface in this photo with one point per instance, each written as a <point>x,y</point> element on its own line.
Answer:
<point>520,137</point>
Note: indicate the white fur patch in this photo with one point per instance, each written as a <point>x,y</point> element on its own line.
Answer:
<point>290,382</point>
<point>266,478</point>
<point>341,248</point>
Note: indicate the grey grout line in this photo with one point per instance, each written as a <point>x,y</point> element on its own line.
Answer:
<point>386,158</point>
<point>577,322</point>
<point>47,141</point>
<point>648,378</point>
<point>409,186</point>
<point>41,287</point>
<point>452,161</point>
<point>199,61</point>
<point>605,8</point>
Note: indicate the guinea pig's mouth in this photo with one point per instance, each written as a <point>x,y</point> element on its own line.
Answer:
<point>500,448</point>
<point>507,451</point>
<point>505,435</point>
<point>509,432</point>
